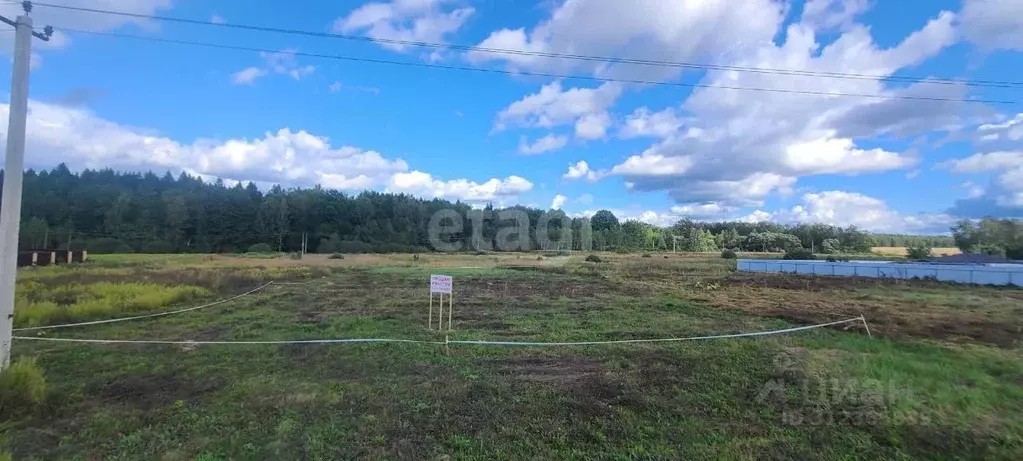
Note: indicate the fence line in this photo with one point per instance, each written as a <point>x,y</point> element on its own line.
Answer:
<point>446,340</point>
<point>146,316</point>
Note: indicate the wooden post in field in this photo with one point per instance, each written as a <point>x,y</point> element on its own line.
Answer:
<point>429,318</point>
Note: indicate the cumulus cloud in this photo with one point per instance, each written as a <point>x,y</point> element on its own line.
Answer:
<point>554,106</point>
<point>405,20</point>
<point>720,141</point>
<point>644,123</point>
<point>558,202</point>
<point>1008,130</point>
<point>993,24</point>
<point>545,144</point>
<point>843,208</point>
<point>81,139</point>
<point>832,14</point>
<point>425,185</point>
<point>643,29</point>
<point>581,170</point>
<point>279,62</point>
<point>217,19</point>
<point>1003,197</point>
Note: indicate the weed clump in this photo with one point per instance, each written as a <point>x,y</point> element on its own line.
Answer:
<point>22,386</point>
<point>336,256</point>
<point>593,259</point>
<point>728,254</point>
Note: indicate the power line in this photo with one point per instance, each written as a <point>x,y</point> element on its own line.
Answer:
<point>580,57</point>
<point>533,74</point>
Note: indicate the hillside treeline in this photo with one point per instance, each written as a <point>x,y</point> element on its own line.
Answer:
<point>107,211</point>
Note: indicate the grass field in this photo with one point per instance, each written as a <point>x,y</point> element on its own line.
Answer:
<point>902,251</point>
<point>942,377</point>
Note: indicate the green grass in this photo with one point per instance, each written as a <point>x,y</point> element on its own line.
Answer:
<point>819,394</point>
<point>36,304</point>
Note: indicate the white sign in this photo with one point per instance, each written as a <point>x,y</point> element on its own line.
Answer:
<point>440,284</point>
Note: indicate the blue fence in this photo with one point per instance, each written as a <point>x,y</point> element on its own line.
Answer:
<point>1002,274</point>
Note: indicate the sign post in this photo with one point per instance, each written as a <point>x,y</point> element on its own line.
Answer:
<point>440,284</point>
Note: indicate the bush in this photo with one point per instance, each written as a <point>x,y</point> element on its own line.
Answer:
<point>295,255</point>
<point>336,256</point>
<point>593,259</point>
<point>22,386</point>
<point>920,252</point>
<point>260,248</point>
<point>665,256</point>
<point>539,258</point>
<point>800,253</point>
<point>645,255</point>
<point>830,246</point>
<point>728,254</point>
<point>988,249</point>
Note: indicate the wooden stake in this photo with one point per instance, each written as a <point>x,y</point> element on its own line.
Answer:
<point>440,314</point>
<point>451,302</point>
<point>429,318</point>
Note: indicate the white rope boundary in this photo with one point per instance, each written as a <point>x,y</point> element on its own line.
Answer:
<point>147,316</point>
<point>446,340</point>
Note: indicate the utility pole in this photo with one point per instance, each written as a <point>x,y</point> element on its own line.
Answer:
<point>14,166</point>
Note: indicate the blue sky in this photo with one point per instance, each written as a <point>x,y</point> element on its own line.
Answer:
<point>651,152</point>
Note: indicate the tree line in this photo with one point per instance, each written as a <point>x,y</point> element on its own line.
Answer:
<point>108,211</point>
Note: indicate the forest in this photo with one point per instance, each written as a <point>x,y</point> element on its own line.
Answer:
<point>106,211</point>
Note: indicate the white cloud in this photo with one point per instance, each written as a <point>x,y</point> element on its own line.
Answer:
<point>581,170</point>
<point>585,199</point>
<point>718,141</point>
<point>592,126</point>
<point>217,19</point>
<point>552,106</point>
<point>558,202</point>
<point>642,123</point>
<point>81,139</point>
<point>545,144</point>
<point>842,208</point>
<point>703,31</point>
<point>279,62</point>
<point>425,185</point>
<point>1009,130</point>
<point>335,87</point>
<point>1003,197</point>
<point>991,161</point>
<point>247,76</point>
<point>702,210</point>
<point>832,14</point>
<point>993,23</point>
<point>405,20</point>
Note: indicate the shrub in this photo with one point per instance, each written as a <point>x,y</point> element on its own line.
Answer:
<point>920,252</point>
<point>593,259</point>
<point>295,255</point>
<point>665,256</point>
<point>336,256</point>
<point>988,249</point>
<point>539,258</point>
<point>799,253</point>
<point>480,253</point>
<point>645,255</point>
<point>22,385</point>
<point>830,246</point>
<point>260,248</point>
<point>728,254</point>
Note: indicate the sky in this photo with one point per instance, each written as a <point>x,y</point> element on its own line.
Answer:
<point>695,135</point>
